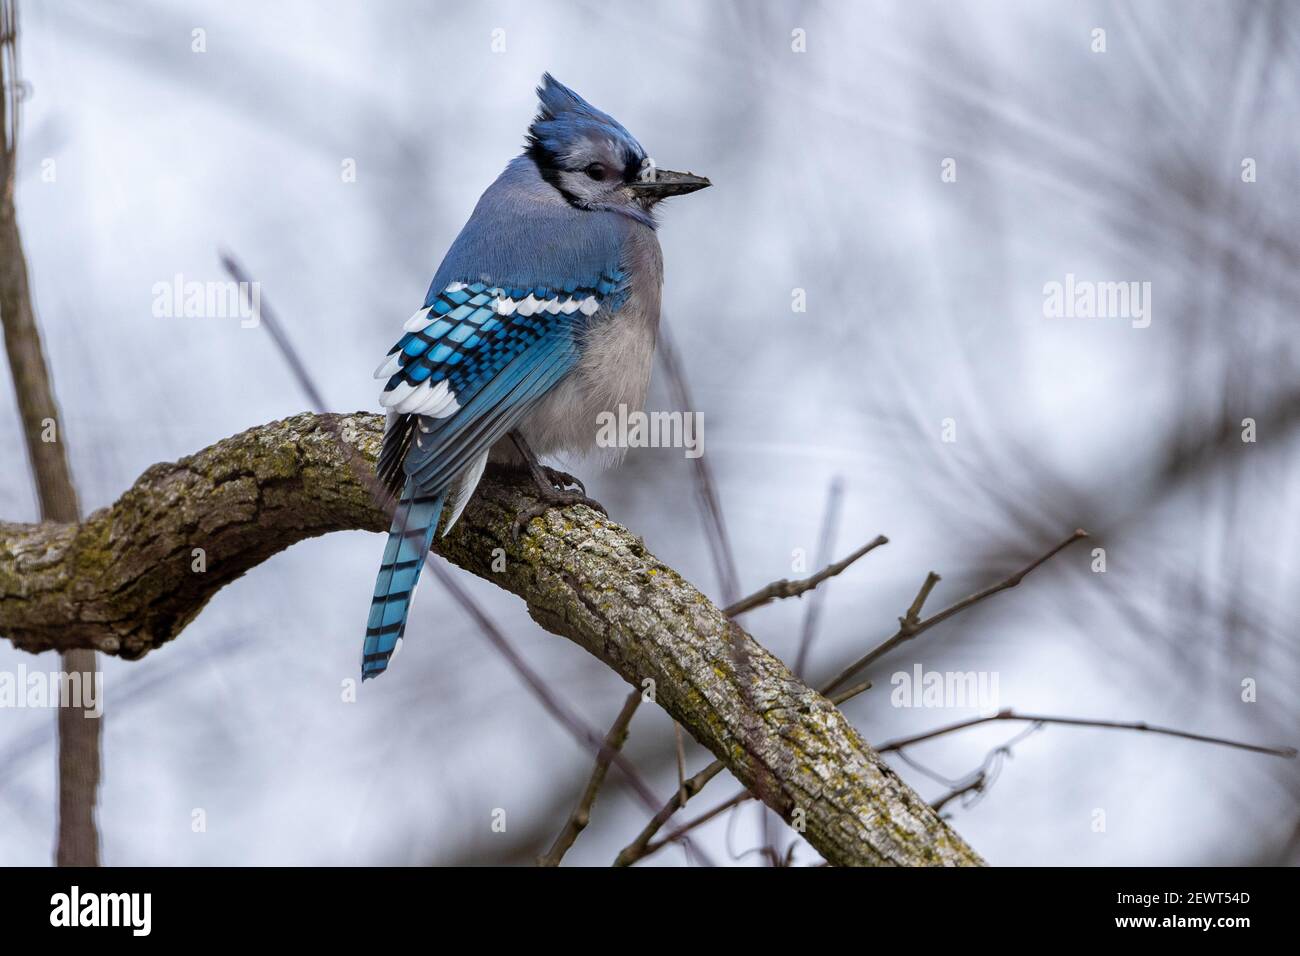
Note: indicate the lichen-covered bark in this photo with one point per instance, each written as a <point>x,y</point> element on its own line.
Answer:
<point>123,582</point>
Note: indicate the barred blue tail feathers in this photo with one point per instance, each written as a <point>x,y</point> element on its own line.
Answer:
<point>409,539</point>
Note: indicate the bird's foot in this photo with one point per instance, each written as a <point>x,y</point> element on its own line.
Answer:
<point>552,488</point>
<point>563,481</point>
<point>555,497</point>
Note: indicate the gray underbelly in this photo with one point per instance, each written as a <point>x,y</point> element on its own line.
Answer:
<point>617,358</point>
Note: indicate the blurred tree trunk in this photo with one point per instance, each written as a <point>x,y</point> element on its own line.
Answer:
<point>78,842</point>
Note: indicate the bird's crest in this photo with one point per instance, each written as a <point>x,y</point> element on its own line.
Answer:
<point>566,123</point>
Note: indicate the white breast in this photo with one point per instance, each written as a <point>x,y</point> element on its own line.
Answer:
<point>614,369</point>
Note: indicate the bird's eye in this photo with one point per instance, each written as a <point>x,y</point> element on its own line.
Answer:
<point>595,171</point>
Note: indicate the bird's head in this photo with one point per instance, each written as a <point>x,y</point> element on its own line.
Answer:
<point>593,161</point>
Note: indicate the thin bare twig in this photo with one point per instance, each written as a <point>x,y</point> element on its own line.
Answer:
<point>977,783</point>
<point>681,761</point>
<point>282,342</point>
<point>788,589</point>
<point>638,847</point>
<point>825,548</point>
<point>849,693</point>
<point>702,819</point>
<point>1143,726</point>
<point>910,626</point>
<point>581,814</point>
<point>724,558</point>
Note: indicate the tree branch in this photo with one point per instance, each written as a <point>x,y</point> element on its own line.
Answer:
<point>786,588</point>
<point>1138,725</point>
<point>78,841</point>
<point>911,625</point>
<point>640,845</point>
<point>581,814</point>
<point>128,580</point>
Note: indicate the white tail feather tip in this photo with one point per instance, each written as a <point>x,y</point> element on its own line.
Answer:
<point>419,321</point>
<point>388,368</point>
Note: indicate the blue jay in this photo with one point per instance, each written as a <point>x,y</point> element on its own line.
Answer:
<point>542,315</point>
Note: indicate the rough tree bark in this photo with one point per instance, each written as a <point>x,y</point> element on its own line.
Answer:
<point>122,583</point>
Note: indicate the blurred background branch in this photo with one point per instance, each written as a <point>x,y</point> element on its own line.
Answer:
<point>78,734</point>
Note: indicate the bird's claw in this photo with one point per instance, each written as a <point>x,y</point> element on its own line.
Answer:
<point>563,481</point>
<point>554,499</point>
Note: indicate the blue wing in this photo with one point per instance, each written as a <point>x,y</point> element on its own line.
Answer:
<point>474,360</point>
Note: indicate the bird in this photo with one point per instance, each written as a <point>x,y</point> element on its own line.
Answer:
<point>542,315</point>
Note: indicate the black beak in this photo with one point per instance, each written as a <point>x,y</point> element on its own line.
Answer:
<point>661,183</point>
